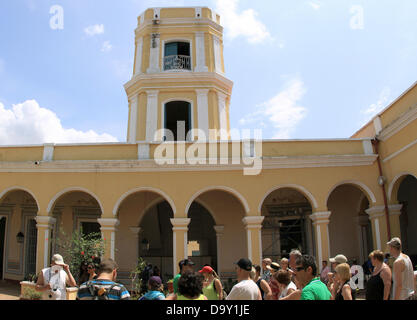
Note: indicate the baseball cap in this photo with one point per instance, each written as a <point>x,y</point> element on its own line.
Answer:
<point>395,242</point>
<point>186,262</point>
<point>244,264</point>
<point>340,258</point>
<point>206,269</point>
<point>57,259</point>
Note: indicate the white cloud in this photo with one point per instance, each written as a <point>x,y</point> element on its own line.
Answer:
<point>28,123</point>
<point>382,102</point>
<point>94,30</point>
<point>244,24</point>
<point>283,112</point>
<point>316,5</point>
<point>106,47</point>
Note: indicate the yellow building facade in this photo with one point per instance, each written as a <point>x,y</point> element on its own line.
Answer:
<point>180,187</point>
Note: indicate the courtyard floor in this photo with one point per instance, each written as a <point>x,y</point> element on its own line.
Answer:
<point>9,291</point>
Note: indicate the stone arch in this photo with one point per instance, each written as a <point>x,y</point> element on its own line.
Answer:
<point>395,185</point>
<point>19,208</point>
<point>286,226</point>
<point>363,187</point>
<point>53,201</point>
<point>301,189</point>
<point>229,190</point>
<point>350,230</point>
<point>19,188</point>
<point>141,189</point>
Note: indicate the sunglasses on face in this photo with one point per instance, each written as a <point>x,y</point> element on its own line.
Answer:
<point>298,269</point>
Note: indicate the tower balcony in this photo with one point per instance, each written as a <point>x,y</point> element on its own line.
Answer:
<point>177,62</point>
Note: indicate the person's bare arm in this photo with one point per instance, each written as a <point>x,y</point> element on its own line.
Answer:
<point>398,271</point>
<point>70,279</point>
<point>259,295</point>
<point>40,284</point>
<point>219,288</point>
<point>386,278</point>
<point>347,292</point>
<point>267,290</point>
<point>295,295</point>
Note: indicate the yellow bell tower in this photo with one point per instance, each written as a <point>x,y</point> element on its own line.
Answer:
<point>178,77</point>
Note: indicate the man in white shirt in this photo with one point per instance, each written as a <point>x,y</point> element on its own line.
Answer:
<point>403,274</point>
<point>246,288</point>
<point>53,281</point>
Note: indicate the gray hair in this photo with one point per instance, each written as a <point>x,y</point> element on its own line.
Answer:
<point>296,253</point>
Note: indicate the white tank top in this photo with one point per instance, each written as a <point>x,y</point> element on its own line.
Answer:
<point>57,281</point>
<point>284,292</point>
<point>407,279</point>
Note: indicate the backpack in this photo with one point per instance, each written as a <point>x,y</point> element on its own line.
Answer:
<point>98,292</point>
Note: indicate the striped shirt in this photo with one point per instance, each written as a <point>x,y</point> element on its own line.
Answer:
<point>114,291</point>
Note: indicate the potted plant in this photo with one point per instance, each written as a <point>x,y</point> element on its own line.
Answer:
<point>30,293</point>
<point>29,282</point>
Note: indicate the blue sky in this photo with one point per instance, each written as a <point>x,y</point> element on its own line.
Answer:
<point>301,69</point>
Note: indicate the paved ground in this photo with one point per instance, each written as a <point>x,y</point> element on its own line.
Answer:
<point>9,291</point>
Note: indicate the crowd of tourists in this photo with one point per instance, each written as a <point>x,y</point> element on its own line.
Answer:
<point>296,278</point>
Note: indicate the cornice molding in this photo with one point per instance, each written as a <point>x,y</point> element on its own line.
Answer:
<point>149,165</point>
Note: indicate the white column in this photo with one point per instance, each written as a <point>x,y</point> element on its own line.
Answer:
<point>217,55</point>
<point>219,233</point>
<point>253,226</point>
<point>202,111</point>
<point>222,116</point>
<point>179,232</point>
<point>45,224</point>
<point>321,224</point>
<point>201,52</point>
<point>133,117</point>
<point>138,63</point>
<point>152,115</point>
<point>154,54</point>
<point>376,214</point>
<point>108,227</point>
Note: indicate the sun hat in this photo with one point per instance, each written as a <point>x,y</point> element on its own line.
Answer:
<point>57,259</point>
<point>395,243</point>
<point>340,258</point>
<point>274,266</point>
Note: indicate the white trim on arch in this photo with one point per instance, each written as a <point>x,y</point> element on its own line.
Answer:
<point>73,189</point>
<point>394,181</point>
<point>368,192</point>
<point>140,189</point>
<point>232,191</point>
<point>19,188</point>
<point>297,187</point>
